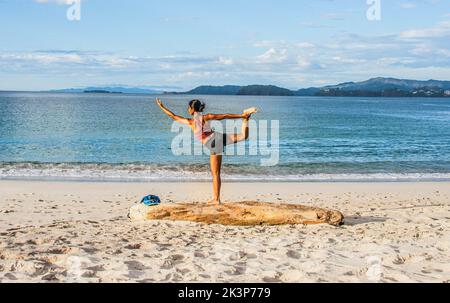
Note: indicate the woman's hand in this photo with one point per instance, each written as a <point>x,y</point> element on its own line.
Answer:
<point>171,114</point>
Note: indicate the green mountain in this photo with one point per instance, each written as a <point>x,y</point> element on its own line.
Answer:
<point>375,87</point>
<point>215,90</point>
<point>264,90</point>
<point>382,87</point>
<point>250,90</point>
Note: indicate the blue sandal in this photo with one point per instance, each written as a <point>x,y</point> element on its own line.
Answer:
<point>151,200</point>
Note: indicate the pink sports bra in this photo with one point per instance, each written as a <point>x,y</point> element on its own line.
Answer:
<point>201,133</point>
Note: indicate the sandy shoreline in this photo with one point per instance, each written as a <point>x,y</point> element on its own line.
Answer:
<point>69,231</point>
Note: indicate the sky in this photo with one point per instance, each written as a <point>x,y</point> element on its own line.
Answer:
<point>179,44</point>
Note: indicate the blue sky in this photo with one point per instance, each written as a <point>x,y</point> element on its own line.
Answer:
<point>181,44</point>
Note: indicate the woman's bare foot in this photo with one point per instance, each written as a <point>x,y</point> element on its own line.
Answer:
<point>214,202</point>
<point>250,111</point>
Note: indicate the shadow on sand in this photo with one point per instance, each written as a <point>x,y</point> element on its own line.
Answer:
<point>356,220</point>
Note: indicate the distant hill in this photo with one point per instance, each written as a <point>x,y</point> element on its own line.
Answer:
<point>382,87</point>
<point>97,91</point>
<point>375,87</point>
<point>312,91</point>
<point>215,90</point>
<point>250,90</point>
<point>110,89</point>
<point>377,84</point>
<point>264,90</point>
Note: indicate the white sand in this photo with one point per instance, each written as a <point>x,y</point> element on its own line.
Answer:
<point>394,232</point>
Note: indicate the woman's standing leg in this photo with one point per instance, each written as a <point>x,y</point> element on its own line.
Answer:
<point>216,165</point>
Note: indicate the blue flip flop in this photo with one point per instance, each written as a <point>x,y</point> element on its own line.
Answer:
<point>151,200</point>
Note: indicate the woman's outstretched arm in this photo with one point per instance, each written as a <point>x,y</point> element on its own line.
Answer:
<point>171,114</point>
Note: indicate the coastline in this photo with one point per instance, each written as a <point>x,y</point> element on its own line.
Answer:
<point>200,172</point>
<point>225,180</point>
<point>47,227</point>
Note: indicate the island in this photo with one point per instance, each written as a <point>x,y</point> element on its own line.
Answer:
<point>375,87</point>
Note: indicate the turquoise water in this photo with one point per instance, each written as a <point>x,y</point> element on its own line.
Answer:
<point>126,137</point>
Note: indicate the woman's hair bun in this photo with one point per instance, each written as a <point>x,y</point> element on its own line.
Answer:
<point>197,105</point>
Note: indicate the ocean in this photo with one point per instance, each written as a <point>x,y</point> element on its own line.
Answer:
<point>119,137</point>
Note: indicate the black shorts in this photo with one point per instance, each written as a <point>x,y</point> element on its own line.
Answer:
<point>216,143</point>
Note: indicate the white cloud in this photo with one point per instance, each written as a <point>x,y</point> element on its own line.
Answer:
<point>263,43</point>
<point>273,55</point>
<point>417,53</point>
<point>314,25</point>
<point>59,2</point>
<point>43,58</point>
<point>442,29</point>
<point>333,16</point>
<point>408,5</point>
<point>269,43</point>
<point>305,45</point>
<point>226,61</point>
<point>347,60</point>
<point>56,61</point>
<point>303,62</point>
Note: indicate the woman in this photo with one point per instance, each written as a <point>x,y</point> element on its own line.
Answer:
<point>215,141</point>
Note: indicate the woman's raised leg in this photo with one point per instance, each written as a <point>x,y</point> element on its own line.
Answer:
<point>235,138</point>
<point>216,165</point>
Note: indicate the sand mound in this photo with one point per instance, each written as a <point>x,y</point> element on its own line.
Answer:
<point>242,213</point>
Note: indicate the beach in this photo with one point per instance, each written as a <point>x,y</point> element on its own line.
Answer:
<point>302,142</point>
<point>79,232</point>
